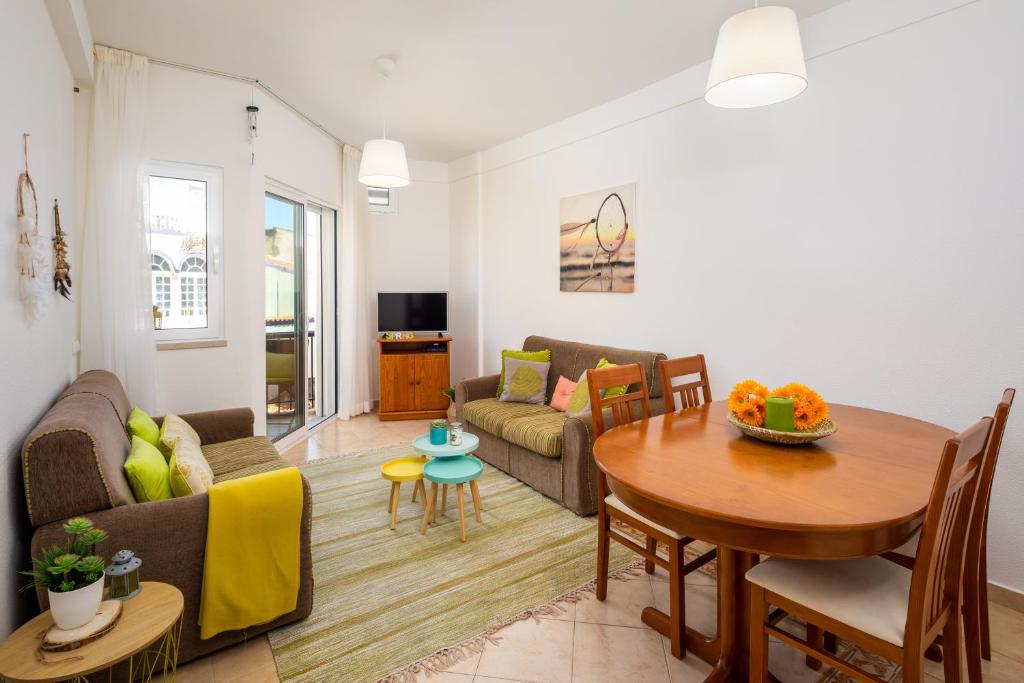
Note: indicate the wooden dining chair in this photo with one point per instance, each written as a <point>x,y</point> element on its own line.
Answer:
<point>879,605</point>
<point>687,391</point>
<point>609,507</point>
<point>975,591</point>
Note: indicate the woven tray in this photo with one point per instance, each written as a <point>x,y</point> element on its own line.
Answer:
<point>826,428</point>
<point>59,640</point>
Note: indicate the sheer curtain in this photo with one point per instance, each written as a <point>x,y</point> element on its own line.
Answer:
<point>354,335</point>
<point>117,319</point>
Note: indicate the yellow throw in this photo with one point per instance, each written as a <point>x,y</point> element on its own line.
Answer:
<point>251,572</point>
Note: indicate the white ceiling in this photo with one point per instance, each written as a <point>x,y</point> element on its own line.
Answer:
<point>471,73</point>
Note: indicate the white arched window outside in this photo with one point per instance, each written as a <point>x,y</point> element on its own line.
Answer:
<point>162,273</point>
<point>192,289</point>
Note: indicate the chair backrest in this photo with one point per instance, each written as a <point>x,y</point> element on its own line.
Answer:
<point>979,519</point>
<point>599,381</point>
<point>938,569</point>
<point>682,367</point>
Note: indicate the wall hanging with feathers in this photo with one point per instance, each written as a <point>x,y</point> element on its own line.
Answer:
<point>62,269</point>
<point>33,254</point>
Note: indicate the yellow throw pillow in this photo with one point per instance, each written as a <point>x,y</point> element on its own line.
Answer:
<point>174,429</point>
<point>147,472</point>
<point>190,473</point>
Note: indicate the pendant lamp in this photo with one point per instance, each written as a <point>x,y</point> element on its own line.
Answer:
<point>384,163</point>
<point>758,60</point>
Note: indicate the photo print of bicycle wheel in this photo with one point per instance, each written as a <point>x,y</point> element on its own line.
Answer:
<point>597,242</point>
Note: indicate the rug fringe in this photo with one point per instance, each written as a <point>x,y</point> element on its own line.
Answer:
<point>448,657</point>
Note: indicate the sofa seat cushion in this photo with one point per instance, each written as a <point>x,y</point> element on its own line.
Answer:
<point>260,468</point>
<point>541,433</point>
<point>232,456</point>
<point>491,415</point>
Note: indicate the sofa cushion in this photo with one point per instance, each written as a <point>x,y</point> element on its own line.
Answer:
<point>260,468</point>
<point>190,473</point>
<point>232,456</point>
<point>540,433</point>
<point>490,414</point>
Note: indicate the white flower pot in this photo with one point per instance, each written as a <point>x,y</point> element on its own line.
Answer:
<point>78,607</point>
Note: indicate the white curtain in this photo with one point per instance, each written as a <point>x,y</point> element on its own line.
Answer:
<point>355,338</point>
<point>117,319</point>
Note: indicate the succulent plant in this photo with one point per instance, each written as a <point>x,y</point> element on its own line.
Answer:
<point>74,566</point>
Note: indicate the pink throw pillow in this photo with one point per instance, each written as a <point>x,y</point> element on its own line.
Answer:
<point>563,392</point>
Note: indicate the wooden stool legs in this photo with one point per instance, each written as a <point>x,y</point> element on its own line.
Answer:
<point>393,504</point>
<point>444,499</point>
<point>430,510</point>
<point>477,505</point>
<point>462,513</point>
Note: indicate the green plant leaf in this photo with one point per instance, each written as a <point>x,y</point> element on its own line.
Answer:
<point>78,525</point>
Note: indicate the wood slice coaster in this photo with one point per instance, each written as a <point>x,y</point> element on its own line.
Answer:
<point>59,640</point>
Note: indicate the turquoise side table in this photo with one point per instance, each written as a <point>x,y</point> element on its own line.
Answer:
<point>422,444</point>
<point>458,470</point>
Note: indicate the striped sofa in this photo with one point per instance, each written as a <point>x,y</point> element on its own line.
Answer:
<point>537,444</point>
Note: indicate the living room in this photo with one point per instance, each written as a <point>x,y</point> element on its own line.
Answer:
<point>342,284</point>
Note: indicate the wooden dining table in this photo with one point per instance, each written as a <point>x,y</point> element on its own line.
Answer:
<point>862,491</point>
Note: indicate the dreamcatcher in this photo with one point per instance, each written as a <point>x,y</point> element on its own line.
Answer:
<point>33,252</point>
<point>610,226</point>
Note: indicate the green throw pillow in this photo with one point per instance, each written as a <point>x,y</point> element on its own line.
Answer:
<point>536,356</point>
<point>147,472</point>
<point>525,381</point>
<point>140,424</point>
<point>579,402</point>
<point>611,392</point>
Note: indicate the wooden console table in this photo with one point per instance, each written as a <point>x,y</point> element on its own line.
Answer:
<point>412,377</point>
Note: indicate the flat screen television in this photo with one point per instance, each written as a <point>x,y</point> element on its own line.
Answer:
<point>412,311</point>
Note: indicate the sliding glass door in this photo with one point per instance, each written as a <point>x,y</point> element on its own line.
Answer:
<point>300,294</point>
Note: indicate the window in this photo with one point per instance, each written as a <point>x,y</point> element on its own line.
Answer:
<point>183,211</point>
<point>382,199</point>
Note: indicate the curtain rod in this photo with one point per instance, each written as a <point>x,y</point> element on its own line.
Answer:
<point>244,79</point>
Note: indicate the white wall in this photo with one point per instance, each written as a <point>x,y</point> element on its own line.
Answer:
<point>200,119</point>
<point>409,249</point>
<point>36,362</point>
<point>864,238</point>
<point>464,300</point>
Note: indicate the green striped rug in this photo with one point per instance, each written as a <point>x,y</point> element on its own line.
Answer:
<point>384,600</point>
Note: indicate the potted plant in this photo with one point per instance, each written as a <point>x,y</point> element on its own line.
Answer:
<point>450,393</point>
<point>72,575</point>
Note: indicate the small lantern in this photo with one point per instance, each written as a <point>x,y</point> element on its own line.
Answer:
<point>124,575</point>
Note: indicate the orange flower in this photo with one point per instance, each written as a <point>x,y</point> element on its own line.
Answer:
<point>745,391</point>
<point>751,413</point>
<point>809,409</point>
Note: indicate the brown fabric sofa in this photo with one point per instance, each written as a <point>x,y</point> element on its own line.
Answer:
<point>72,465</point>
<point>537,444</point>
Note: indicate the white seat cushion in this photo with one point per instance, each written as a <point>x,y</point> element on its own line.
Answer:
<point>868,593</point>
<point>614,502</point>
<point>909,549</point>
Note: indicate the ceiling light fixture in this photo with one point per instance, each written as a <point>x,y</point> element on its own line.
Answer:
<point>758,59</point>
<point>384,163</point>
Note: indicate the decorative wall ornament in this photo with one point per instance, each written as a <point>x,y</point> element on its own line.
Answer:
<point>33,254</point>
<point>252,114</point>
<point>62,269</point>
<point>597,244</point>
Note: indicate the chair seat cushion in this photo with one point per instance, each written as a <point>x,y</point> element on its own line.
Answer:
<point>230,456</point>
<point>541,433</point>
<point>491,415</point>
<point>613,501</point>
<point>870,593</point>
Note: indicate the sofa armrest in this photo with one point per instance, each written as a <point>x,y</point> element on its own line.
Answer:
<point>579,469</point>
<point>215,426</point>
<point>473,390</point>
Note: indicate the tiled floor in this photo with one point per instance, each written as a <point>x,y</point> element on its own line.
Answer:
<point>593,642</point>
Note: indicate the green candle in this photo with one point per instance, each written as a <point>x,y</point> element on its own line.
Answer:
<point>778,414</point>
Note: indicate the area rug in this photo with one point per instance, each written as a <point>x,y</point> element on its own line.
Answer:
<point>386,603</point>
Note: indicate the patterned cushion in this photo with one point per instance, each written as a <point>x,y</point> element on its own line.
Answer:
<point>174,429</point>
<point>232,456</point>
<point>539,433</point>
<point>189,472</point>
<point>490,414</point>
<point>525,381</point>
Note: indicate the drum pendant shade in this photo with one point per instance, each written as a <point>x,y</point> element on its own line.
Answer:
<point>384,164</point>
<point>758,60</point>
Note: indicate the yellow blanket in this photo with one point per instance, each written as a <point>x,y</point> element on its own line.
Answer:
<point>251,572</point>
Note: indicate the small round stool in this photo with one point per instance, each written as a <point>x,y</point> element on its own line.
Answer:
<point>403,469</point>
<point>456,470</point>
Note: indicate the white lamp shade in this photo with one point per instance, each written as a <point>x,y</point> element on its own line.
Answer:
<point>758,60</point>
<point>384,164</point>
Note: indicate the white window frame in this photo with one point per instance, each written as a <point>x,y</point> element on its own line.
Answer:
<point>214,179</point>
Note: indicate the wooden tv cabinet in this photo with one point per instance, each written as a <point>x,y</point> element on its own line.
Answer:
<point>411,378</point>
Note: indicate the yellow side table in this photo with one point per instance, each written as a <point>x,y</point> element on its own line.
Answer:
<point>401,470</point>
<point>146,638</point>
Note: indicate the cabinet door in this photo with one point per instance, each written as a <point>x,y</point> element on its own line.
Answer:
<point>431,377</point>
<point>397,381</point>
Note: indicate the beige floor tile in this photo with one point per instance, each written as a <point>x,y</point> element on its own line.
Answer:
<point>617,653</point>
<point>198,671</point>
<point>625,601</point>
<point>443,677</point>
<point>251,660</point>
<point>1007,628</point>
<point>1002,669</point>
<point>690,669</point>
<point>489,679</point>
<point>701,604</point>
<point>467,666</point>
<point>530,651</point>
<point>697,578</point>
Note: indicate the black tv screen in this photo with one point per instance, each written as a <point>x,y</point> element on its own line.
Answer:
<point>412,311</point>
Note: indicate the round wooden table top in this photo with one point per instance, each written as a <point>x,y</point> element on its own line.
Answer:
<point>861,491</point>
<point>144,619</point>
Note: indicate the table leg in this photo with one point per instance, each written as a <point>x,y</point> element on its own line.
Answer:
<point>444,500</point>
<point>422,491</point>
<point>395,490</point>
<point>462,513</point>
<point>428,509</point>
<point>477,505</point>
